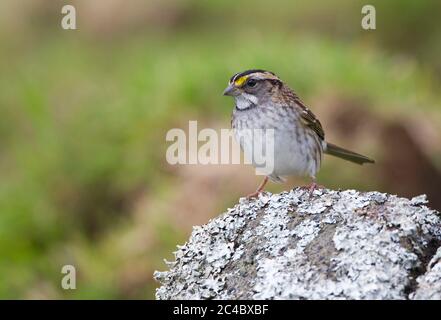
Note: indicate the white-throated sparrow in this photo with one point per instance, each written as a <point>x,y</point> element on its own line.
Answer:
<point>264,102</point>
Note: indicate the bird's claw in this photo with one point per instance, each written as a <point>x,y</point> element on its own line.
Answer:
<point>312,187</point>
<point>253,195</point>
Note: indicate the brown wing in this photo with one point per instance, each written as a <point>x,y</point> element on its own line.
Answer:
<point>309,119</point>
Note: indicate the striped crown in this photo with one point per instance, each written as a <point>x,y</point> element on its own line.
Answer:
<point>240,78</point>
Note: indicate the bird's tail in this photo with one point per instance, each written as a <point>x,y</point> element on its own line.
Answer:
<point>336,151</point>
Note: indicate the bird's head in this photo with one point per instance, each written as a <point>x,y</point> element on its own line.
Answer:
<point>252,88</point>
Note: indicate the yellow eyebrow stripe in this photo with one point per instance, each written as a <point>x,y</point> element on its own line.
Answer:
<point>239,82</point>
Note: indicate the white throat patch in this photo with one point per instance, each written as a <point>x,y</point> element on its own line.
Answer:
<point>245,101</point>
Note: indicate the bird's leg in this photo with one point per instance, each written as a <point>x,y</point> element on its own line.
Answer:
<point>313,186</point>
<point>259,189</point>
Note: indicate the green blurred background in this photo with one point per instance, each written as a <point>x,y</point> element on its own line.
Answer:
<point>84,113</point>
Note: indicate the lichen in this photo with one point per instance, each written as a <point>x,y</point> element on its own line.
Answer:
<point>294,245</point>
<point>429,284</point>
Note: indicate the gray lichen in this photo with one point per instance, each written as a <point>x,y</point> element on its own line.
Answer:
<point>328,245</point>
<point>429,284</point>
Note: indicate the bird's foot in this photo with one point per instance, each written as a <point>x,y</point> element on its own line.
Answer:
<point>312,186</point>
<point>259,190</point>
<point>255,194</point>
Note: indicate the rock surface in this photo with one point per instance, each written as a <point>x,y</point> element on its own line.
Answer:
<point>328,245</point>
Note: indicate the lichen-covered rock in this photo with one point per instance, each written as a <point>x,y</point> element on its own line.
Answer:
<point>328,245</point>
<point>429,284</point>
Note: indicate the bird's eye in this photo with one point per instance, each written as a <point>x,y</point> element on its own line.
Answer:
<point>251,83</point>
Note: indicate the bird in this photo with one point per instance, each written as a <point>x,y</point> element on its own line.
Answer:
<point>263,101</point>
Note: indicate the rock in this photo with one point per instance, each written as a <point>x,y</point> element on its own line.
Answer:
<point>328,245</point>
<point>429,284</point>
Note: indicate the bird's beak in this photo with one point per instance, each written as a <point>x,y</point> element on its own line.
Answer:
<point>231,90</point>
